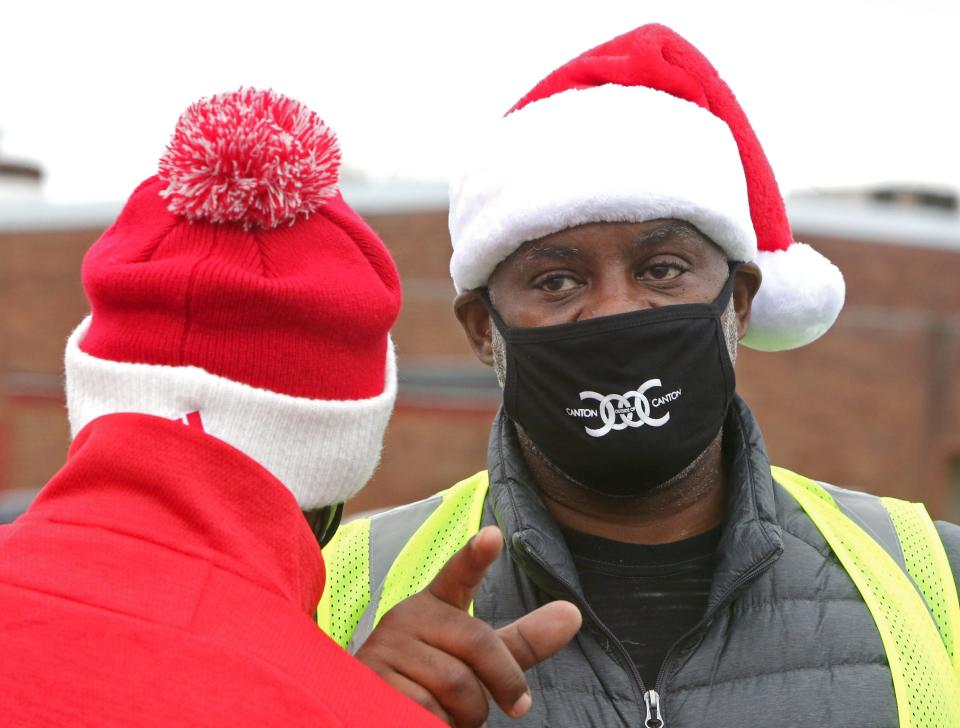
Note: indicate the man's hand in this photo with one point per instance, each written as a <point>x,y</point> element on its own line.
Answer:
<point>429,648</point>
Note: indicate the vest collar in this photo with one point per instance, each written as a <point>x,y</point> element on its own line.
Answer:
<point>751,539</point>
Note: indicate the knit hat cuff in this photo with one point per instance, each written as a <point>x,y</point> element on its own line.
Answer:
<point>323,451</point>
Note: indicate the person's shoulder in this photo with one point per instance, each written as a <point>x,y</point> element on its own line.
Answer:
<point>950,537</point>
<point>948,531</point>
<point>404,512</point>
<point>473,485</point>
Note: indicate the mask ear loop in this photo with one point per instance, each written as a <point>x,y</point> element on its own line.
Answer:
<point>726,293</point>
<point>484,294</point>
<point>733,266</point>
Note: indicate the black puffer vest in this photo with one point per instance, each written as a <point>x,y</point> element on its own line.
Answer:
<point>786,639</point>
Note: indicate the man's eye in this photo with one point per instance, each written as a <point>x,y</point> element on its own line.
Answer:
<point>556,283</point>
<point>663,272</point>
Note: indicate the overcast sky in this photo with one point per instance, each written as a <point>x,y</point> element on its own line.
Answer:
<point>841,92</point>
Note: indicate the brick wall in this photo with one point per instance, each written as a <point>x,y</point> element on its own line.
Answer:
<point>41,300</point>
<point>874,404</point>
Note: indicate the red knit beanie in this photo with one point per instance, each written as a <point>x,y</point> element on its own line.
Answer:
<point>239,285</point>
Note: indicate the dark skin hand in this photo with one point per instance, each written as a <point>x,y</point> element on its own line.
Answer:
<point>430,649</point>
<point>602,269</point>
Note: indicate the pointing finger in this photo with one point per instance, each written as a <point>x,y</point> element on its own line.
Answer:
<point>458,581</point>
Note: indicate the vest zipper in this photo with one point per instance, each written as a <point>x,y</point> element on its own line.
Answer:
<point>570,593</point>
<point>651,698</point>
<point>708,616</point>
<point>654,718</point>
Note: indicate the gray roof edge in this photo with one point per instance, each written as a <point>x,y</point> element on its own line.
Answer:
<point>377,198</point>
<point>397,197</point>
<point>39,214</point>
<point>874,222</point>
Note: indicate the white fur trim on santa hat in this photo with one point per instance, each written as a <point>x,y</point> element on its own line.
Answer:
<point>324,451</point>
<point>603,154</point>
<point>799,299</point>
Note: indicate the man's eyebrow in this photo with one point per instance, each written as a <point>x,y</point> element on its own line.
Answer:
<point>672,229</point>
<point>550,251</point>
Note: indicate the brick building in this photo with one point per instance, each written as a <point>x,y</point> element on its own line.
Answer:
<point>874,404</point>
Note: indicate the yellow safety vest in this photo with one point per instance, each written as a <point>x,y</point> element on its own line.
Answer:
<point>915,609</point>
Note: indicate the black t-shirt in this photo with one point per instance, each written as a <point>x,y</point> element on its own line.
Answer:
<point>648,596</point>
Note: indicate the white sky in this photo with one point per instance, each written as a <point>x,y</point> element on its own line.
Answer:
<point>840,92</point>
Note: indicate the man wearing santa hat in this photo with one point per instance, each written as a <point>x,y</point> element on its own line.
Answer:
<point>236,373</point>
<point>616,236</point>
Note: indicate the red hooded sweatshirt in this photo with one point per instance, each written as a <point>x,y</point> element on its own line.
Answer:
<point>164,578</point>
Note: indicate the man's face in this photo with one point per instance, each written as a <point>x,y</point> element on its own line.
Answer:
<point>602,269</point>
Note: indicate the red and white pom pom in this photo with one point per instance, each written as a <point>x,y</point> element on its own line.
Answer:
<point>250,157</point>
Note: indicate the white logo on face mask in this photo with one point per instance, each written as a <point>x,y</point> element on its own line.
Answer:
<point>632,408</point>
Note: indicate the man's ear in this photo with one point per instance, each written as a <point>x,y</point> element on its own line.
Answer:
<point>475,320</point>
<point>746,283</point>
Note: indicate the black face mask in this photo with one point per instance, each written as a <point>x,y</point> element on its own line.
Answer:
<point>622,403</point>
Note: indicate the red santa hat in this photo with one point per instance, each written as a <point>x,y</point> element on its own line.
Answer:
<point>238,290</point>
<point>641,128</point>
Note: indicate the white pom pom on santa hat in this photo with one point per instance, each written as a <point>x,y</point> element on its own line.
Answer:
<point>251,157</point>
<point>800,298</point>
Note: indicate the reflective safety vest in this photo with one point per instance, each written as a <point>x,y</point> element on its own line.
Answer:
<point>889,548</point>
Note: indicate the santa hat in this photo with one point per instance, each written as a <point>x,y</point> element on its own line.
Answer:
<point>237,290</point>
<point>641,128</point>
